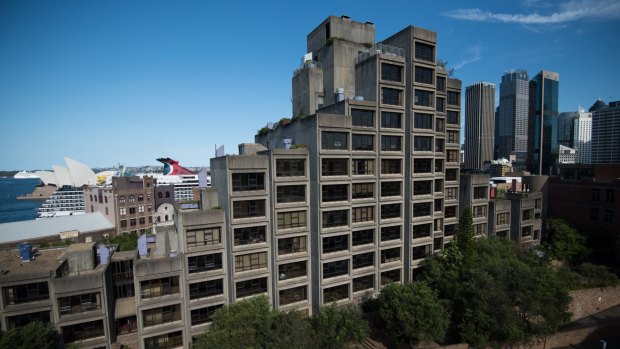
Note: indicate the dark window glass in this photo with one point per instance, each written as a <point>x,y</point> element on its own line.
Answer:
<point>419,252</point>
<point>362,142</point>
<point>439,146</point>
<point>206,289</point>
<point>334,140</point>
<point>291,245</point>
<point>204,315</point>
<point>390,233</point>
<point>390,255</point>
<point>422,187</point>
<point>290,167</point>
<point>390,211</point>
<point>251,287</point>
<point>422,165</point>
<point>335,167</point>
<point>439,124</point>
<point>391,120</point>
<point>248,181</point>
<point>292,219</point>
<point>206,262</point>
<point>422,143</point>
<point>391,143</point>
<point>450,212</point>
<point>335,218</point>
<point>249,235</point>
<point>390,189</point>
<point>454,98</point>
<point>293,295</point>
<point>440,104</point>
<point>362,118</point>
<point>424,52</point>
<point>363,237</point>
<point>441,84</point>
<point>390,276</point>
<point>335,243</point>
<point>248,208</point>
<point>363,260</point>
<point>453,137</point>
<point>363,190</point>
<point>452,174</point>
<point>391,166</point>
<point>337,268</point>
<point>423,121</point>
<point>424,75</point>
<point>391,72</point>
<point>438,166</point>
<point>335,293</point>
<point>363,283</point>
<point>453,117</point>
<point>423,98</point>
<point>336,192</point>
<point>291,193</point>
<point>421,231</point>
<point>292,270</point>
<point>422,209</point>
<point>363,167</point>
<point>250,261</point>
<point>391,96</point>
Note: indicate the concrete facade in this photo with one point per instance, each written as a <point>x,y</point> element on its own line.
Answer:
<point>479,124</point>
<point>474,193</point>
<point>512,125</point>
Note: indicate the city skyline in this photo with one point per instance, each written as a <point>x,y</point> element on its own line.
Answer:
<point>114,82</point>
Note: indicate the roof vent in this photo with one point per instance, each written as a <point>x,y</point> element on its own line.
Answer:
<point>345,17</point>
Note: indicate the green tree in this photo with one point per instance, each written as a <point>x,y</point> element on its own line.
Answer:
<point>412,313</point>
<point>253,324</point>
<point>125,241</point>
<point>337,327</point>
<point>565,243</point>
<point>597,275</point>
<point>32,335</point>
<point>465,238</point>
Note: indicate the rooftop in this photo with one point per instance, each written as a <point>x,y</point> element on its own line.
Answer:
<point>32,229</point>
<point>44,263</point>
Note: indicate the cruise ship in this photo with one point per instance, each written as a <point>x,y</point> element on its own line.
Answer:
<point>178,176</point>
<point>67,201</point>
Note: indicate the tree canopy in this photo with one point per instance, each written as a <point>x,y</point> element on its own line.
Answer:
<point>565,243</point>
<point>32,335</point>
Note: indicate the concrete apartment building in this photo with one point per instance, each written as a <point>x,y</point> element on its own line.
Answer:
<point>474,193</point>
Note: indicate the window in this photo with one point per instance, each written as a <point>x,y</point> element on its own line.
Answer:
<point>206,289</point>
<point>290,193</point>
<point>453,137</point>
<point>248,208</point>
<point>335,167</point>
<point>363,191</point>
<point>451,193</point>
<point>362,118</point>
<point>422,165</point>
<point>293,219</point>
<point>390,211</point>
<point>480,192</point>
<point>334,140</point>
<point>390,233</point>
<point>25,293</point>
<point>164,341</point>
<point>439,146</point>
<point>450,211</point>
<point>142,220</point>
<point>595,194</point>
<point>132,210</point>
<point>421,231</point>
<point>422,143</point>
<point>249,235</point>
<point>422,188</point>
<point>481,229</point>
<point>363,214</point>
<point>423,121</point>
<point>390,276</point>
<point>391,166</point>
<point>335,218</point>
<point>454,98</point>
<point>141,209</point>
<point>362,167</point>
<point>124,223</point>
<point>391,120</point>
<point>159,287</point>
<point>335,192</point>
<point>251,287</point>
<point>250,261</point>
<point>609,216</point>
<point>424,52</point>
<point>390,189</point>
<point>391,96</point>
<point>440,124</point>
<point>438,165</point>
<point>293,295</point>
<point>391,72</point>
<point>291,245</point>
<point>438,205</point>
<point>390,255</point>
<point>337,268</point>
<point>335,243</point>
<point>132,198</point>
<point>424,75</point>
<point>419,252</point>
<point>248,181</point>
<point>292,270</point>
<point>363,237</point>
<point>423,98</point>
<point>362,142</point>
<point>391,143</point>
<point>203,315</point>
<point>336,293</point>
<point>527,215</point>
<point>440,104</point>
<point>207,262</point>
<point>452,174</point>
<point>82,331</point>
<point>594,214</point>
<point>526,231</point>
<point>452,156</point>
<point>422,209</point>
<point>290,167</point>
<point>609,196</point>
<point>162,315</point>
<point>441,84</point>
<point>439,186</point>
<point>132,222</point>
<point>449,230</point>
<point>122,211</point>
<point>453,117</point>
<point>364,283</point>
<point>503,218</point>
<point>24,319</point>
<point>363,260</point>
<point>479,211</point>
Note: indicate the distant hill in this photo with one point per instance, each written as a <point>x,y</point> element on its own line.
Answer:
<point>8,173</point>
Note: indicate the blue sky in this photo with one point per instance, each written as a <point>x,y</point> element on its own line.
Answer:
<point>108,82</point>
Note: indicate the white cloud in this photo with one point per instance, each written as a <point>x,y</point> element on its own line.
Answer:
<point>565,12</point>
<point>474,54</point>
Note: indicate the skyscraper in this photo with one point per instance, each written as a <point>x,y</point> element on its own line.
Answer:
<point>543,123</point>
<point>566,128</point>
<point>582,137</point>
<point>479,124</point>
<point>605,132</point>
<point>513,113</point>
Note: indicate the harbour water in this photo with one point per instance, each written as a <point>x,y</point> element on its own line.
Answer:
<point>13,210</point>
